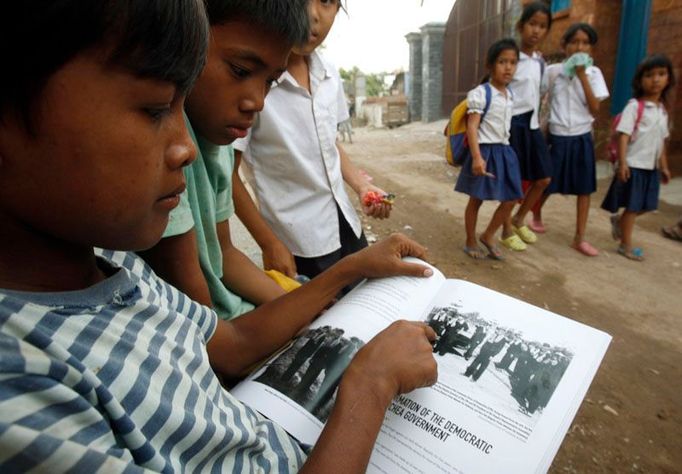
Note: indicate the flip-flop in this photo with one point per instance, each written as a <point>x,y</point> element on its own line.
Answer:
<point>636,254</point>
<point>514,242</point>
<point>525,234</point>
<point>494,251</point>
<point>586,248</point>
<point>672,233</point>
<point>615,227</point>
<point>476,253</point>
<point>537,226</point>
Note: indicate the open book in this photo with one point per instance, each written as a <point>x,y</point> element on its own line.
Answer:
<point>511,377</point>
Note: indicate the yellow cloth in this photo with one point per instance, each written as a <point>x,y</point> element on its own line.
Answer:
<point>288,284</point>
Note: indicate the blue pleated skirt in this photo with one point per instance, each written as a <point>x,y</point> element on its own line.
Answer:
<point>573,165</point>
<point>530,148</point>
<point>502,162</point>
<point>638,194</point>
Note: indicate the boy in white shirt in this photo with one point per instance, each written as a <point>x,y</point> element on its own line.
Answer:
<point>306,220</point>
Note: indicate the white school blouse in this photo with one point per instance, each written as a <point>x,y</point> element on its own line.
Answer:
<point>526,87</point>
<point>569,113</point>
<point>494,127</point>
<point>646,148</point>
<point>296,165</point>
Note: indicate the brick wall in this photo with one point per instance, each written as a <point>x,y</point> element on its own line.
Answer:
<point>665,36</point>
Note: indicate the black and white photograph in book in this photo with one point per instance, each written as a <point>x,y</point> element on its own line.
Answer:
<point>310,369</point>
<point>498,358</point>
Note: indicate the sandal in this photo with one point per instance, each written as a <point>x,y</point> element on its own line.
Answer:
<point>585,248</point>
<point>636,254</point>
<point>672,232</point>
<point>494,251</point>
<point>525,234</point>
<point>537,226</point>
<point>474,252</point>
<point>514,242</point>
<point>615,227</point>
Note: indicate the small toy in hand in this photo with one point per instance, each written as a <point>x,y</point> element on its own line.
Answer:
<point>373,197</point>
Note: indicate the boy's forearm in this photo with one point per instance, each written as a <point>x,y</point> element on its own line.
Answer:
<point>247,211</point>
<point>239,344</point>
<point>241,275</point>
<point>350,433</point>
<point>351,174</point>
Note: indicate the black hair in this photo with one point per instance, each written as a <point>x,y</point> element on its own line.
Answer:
<point>649,63</point>
<point>287,18</point>
<point>533,8</point>
<point>494,52</point>
<point>158,39</point>
<point>498,47</point>
<point>574,28</point>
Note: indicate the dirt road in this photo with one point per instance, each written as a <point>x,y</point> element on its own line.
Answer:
<point>631,418</point>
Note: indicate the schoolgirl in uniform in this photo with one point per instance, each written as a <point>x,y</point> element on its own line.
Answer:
<point>526,138</point>
<point>491,169</point>
<point>642,158</point>
<point>576,89</point>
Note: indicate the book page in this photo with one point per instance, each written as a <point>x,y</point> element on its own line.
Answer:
<point>297,387</point>
<point>511,378</point>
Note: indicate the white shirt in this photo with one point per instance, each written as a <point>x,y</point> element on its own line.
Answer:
<point>526,87</point>
<point>647,145</point>
<point>569,113</point>
<point>494,127</point>
<point>296,165</point>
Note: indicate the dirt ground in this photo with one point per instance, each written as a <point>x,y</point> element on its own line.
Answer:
<point>630,420</point>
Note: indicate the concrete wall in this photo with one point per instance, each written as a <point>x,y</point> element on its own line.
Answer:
<point>432,71</point>
<point>415,89</point>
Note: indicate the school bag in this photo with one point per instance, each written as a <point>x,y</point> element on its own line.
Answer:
<point>455,130</point>
<point>612,147</point>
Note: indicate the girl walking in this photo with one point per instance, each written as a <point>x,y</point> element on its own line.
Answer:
<point>642,159</point>
<point>576,88</point>
<point>491,169</point>
<point>526,138</point>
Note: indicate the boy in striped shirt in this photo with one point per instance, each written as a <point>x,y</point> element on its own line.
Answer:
<point>104,366</point>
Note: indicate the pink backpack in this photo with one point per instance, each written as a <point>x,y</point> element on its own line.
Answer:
<point>612,147</point>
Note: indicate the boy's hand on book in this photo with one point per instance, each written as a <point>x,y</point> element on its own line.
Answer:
<point>384,258</point>
<point>397,360</point>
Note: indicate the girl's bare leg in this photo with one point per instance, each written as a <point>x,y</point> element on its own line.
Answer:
<point>470,220</point>
<point>502,213</point>
<point>583,210</point>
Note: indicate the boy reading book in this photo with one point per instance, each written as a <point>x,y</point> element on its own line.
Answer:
<point>103,365</point>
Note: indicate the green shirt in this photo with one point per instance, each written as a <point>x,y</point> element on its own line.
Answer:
<point>207,202</point>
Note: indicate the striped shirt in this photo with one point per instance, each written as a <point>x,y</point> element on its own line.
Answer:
<point>116,378</point>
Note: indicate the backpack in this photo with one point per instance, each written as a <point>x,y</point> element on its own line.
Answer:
<point>456,130</point>
<point>612,147</point>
